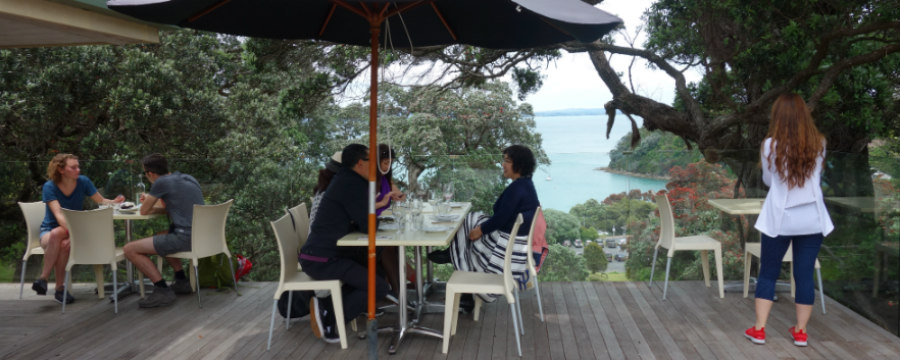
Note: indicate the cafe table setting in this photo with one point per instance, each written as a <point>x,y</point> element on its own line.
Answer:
<point>417,224</point>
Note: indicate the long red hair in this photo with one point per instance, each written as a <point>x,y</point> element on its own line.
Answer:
<point>796,142</point>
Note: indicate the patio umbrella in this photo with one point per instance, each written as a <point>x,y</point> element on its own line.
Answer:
<point>495,24</point>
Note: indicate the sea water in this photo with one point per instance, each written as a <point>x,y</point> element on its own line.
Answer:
<point>577,146</point>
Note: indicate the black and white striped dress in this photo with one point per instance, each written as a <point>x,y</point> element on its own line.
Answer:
<point>486,254</point>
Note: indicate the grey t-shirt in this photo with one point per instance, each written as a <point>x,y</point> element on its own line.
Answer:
<point>180,192</point>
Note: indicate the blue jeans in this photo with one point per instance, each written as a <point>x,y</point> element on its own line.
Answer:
<point>805,249</point>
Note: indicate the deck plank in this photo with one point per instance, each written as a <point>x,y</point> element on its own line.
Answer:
<point>598,320</point>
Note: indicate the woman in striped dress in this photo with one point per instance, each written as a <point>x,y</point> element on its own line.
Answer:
<point>481,242</point>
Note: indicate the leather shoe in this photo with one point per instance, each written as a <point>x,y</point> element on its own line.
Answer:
<point>440,256</point>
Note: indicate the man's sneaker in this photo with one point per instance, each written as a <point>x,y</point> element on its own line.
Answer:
<point>182,286</point>
<point>316,317</point>
<point>69,299</point>
<point>322,321</point>
<point>800,337</point>
<point>331,335</point>
<point>159,297</point>
<point>39,286</point>
<point>756,336</point>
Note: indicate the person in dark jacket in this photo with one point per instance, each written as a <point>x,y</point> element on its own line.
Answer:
<point>342,210</point>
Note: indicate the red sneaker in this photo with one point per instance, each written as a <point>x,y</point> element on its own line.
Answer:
<point>756,336</point>
<point>799,337</point>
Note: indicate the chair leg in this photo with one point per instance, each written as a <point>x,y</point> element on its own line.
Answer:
<point>653,265</point>
<point>720,276</point>
<point>455,313</point>
<point>287,320</point>
<point>747,259</point>
<point>477,309</point>
<point>821,289</point>
<point>519,312</point>
<point>338,304</point>
<point>65,292</point>
<point>231,267</point>
<point>449,310</point>
<point>115,288</point>
<point>537,291</point>
<point>98,277</point>
<point>512,311</point>
<point>272,323</point>
<point>22,281</point>
<point>666,283</point>
<point>704,263</point>
<point>197,279</point>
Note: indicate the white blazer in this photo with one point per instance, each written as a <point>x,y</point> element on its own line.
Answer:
<point>805,202</point>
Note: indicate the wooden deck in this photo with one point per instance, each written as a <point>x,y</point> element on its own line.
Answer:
<point>584,320</point>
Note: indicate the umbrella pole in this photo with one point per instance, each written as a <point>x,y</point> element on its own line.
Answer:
<point>372,323</point>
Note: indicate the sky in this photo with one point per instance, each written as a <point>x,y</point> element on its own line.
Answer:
<point>572,82</point>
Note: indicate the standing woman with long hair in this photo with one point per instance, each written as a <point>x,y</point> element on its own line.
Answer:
<point>793,213</point>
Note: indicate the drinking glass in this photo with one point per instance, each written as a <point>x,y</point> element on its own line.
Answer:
<point>448,191</point>
<point>433,199</point>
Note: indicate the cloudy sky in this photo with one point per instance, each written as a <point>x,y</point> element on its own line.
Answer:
<point>572,82</point>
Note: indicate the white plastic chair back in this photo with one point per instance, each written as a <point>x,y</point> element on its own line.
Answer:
<point>92,242</point>
<point>208,229</point>
<point>667,224</point>
<point>287,249</point>
<point>301,223</point>
<point>531,265</point>
<point>34,215</point>
<point>509,283</point>
<point>91,237</point>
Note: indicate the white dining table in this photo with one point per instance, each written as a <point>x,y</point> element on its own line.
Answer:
<point>417,239</point>
<point>128,217</point>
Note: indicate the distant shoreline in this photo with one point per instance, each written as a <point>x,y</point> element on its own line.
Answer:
<point>634,174</point>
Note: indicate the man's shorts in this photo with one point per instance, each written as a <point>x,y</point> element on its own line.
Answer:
<point>166,244</point>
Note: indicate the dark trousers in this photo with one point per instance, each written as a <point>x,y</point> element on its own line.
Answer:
<point>805,250</point>
<point>355,280</point>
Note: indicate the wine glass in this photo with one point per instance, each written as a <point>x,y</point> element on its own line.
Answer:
<point>448,192</point>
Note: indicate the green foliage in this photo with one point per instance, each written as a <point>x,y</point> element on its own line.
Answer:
<point>654,156</point>
<point>589,233</point>
<point>616,212</point>
<point>595,258</point>
<point>561,226</point>
<point>563,265</point>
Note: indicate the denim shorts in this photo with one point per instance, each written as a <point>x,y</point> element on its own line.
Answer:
<point>170,243</point>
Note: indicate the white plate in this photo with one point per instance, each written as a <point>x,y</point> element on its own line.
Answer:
<point>387,227</point>
<point>448,217</point>
<point>456,205</point>
<point>129,210</point>
<point>436,228</point>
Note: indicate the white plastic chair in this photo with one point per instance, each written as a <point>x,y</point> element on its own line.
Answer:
<point>532,278</point>
<point>755,249</point>
<point>292,279</point>
<point>532,270</point>
<point>668,240</point>
<point>34,215</point>
<point>207,239</point>
<point>92,243</point>
<point>464,282</point>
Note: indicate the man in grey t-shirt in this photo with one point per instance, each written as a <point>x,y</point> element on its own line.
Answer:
<point>175,195</point>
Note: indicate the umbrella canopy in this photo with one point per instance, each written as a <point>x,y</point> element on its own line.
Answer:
<point>495,24</point>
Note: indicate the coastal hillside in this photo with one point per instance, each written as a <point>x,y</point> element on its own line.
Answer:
<point>657,152</point>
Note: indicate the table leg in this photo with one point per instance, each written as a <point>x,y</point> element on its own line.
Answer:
<point>405,327</point>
